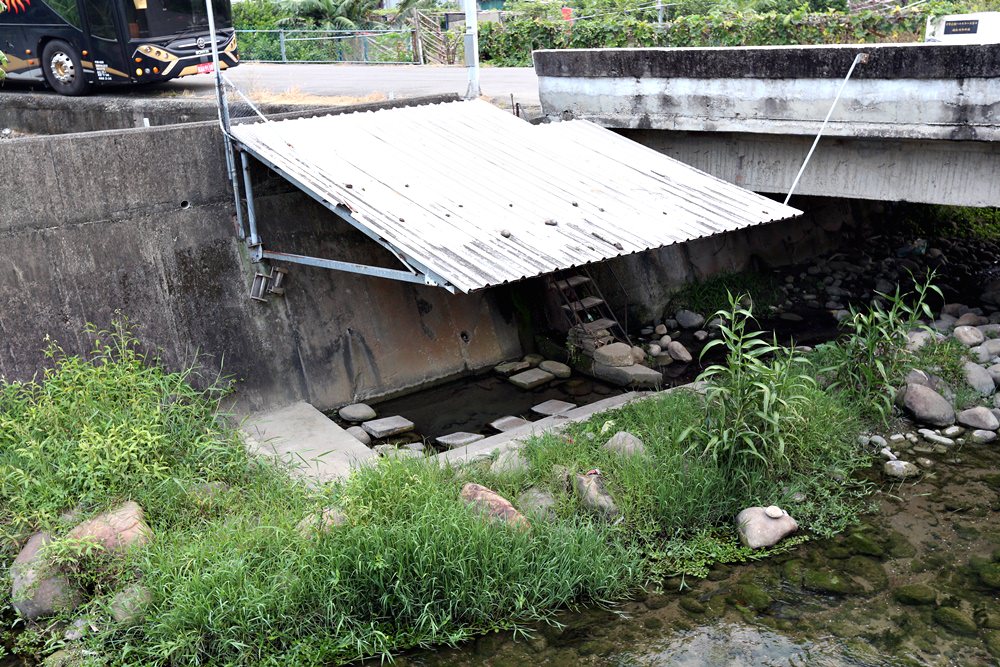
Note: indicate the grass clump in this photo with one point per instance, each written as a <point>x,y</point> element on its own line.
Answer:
<point>108,426</point>
<point>871,359</point>
<point>712,294</point>
<point>412,567</point>
<point>232,579</point>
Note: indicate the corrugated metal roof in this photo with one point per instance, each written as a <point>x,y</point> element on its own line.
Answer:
<point>480,197</point>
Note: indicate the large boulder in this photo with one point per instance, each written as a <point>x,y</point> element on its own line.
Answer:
<point>593,496</point>
<point>116,531</point>
<point>978,418</point>
<point>689,319</point>
<point>493,505</point>
<point>968,336</point>
<point>626,444</point>
<point>615,354</point>
<point>761,527</point>
<point>978,378</point>
<point>927,406</point>
<point>38,588</point>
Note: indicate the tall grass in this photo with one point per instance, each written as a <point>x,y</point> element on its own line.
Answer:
<point>232,579</point>
<point>412,567</point>
<point>755,399</point>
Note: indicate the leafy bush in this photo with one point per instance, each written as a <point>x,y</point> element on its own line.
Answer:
<point>512,41</point>
<point>109,426</point>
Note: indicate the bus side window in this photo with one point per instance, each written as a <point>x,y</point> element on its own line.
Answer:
<point>68,10</point>
<point>102,19</point>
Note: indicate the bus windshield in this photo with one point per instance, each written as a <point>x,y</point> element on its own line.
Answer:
<point>159,18</point>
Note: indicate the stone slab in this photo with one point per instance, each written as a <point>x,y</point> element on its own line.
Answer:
<point>531,379</point>
<point>509,368</point>
<point>636,375</point>
<point>508,423</point>
<point>459,439</point>
<point>553,407</point>
<point>387,426</point>
<point>305,439</point>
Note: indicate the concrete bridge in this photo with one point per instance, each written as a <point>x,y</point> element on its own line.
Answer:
<point>916,122</point>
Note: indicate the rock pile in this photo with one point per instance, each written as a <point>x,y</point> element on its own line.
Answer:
<point>41,587</point>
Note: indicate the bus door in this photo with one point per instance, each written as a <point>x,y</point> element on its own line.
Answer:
<point>107,42</point>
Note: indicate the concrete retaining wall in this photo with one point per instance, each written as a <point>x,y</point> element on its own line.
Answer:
<point>140,222</point>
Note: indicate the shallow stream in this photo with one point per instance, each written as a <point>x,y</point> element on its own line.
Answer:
<point>850,601</point>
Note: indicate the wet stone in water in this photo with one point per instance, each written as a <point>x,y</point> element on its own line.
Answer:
<point>387,426</point>
<point>356,412</point>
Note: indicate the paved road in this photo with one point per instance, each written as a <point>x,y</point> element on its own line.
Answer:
<point>365,80</point>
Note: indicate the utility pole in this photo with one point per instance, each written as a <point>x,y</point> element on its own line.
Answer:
<point>659,13</point>
<point>472,47</point>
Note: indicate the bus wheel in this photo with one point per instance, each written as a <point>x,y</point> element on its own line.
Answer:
<point>63,69</point>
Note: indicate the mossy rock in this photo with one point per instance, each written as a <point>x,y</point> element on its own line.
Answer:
<point>989,575</point>
<point>596,647</point>
<point>657,601</point>
<point>715,607</point>
<point>863,545</point>
<point>828,581</point>
<point>719,572</point>
<point>955,621</point>
<point>692,606</point>
<point>837,552</point>
<point>750,595</point>
<point>791,570</point>
<point>988,619</point>
<point>652,623</point>
<point>915,594</point>
<point>992,640</point>
<point>870,570</point>
<point>897,546</point>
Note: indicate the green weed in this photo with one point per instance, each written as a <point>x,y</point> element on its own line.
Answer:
<point>712,294</point>
<point>754,399</point>
<point>871,359</point>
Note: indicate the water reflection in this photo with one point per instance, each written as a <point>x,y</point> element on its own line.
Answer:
<point>741,645</point>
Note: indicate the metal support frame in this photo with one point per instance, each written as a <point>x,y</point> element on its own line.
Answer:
<point>416,273</point>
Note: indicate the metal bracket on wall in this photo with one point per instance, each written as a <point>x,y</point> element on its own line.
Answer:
<point>268,283</point>
<point>413,271</point>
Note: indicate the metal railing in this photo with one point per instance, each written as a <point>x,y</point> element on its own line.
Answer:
<point>327,46</point>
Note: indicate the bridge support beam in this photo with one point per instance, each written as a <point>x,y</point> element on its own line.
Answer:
<point>959,173</point>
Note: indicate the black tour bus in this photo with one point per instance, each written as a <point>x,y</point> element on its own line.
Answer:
<point>75,44</point>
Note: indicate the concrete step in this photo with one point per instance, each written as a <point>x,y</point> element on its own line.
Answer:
<point>305,439</point>
<point>553,407</point>
<point>572,281</point>
<point>586,303</point>
<point>597,325</point>
<point>509,423</point>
